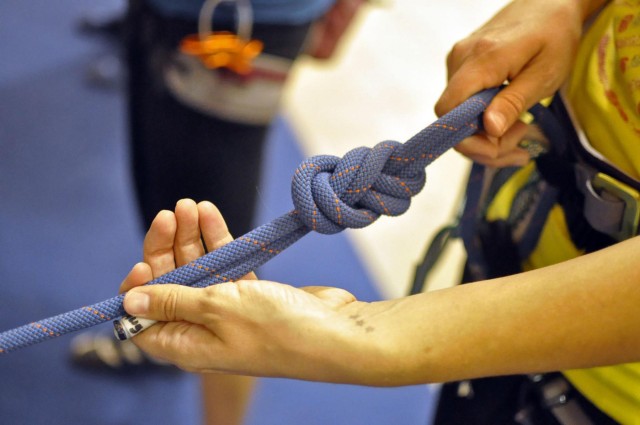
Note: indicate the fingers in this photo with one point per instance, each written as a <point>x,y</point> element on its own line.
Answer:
<point>188,242</point>
<point>214,229</point>
<point>533,55</point>
<point>521,94</point>
<point>479,73</point>
<point>175,239</point>
<point>464,82</point>
<point>158,243</point>
<point>479,146</point>
<point>140,274</point>
<point>497,152</point>
<point>196,222</point>
<point>479,63</point>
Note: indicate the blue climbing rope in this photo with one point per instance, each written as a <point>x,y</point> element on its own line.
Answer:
<point>329,194</point>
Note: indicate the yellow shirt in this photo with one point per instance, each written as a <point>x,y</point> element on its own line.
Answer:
<point>604,89</point>
<point>604,93</point>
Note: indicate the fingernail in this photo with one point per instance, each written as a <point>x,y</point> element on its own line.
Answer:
<point>499,122</point>
<point>136,303</point>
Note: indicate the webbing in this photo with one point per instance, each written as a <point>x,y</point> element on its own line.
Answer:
<point>329,194</point>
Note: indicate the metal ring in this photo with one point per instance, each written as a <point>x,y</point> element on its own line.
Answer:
<point>244,18</point>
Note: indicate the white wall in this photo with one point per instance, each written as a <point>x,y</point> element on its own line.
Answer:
<point>382,85</point>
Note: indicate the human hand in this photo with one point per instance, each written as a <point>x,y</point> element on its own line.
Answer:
<point>529,44</point>
<point>269,329</point>
<point>329,30</point>
<point>175,239</point>
<point>247,327</point>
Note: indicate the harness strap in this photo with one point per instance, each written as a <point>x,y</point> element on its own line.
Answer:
<point>600,204</point>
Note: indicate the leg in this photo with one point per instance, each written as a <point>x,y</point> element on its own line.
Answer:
<point>178,152</point>
<point>226,398</point>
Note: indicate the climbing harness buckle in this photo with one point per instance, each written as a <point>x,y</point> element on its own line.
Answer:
<point>555,395</point>
<point>224,49</point>
<point>607,187</point>
<point>611,196</point>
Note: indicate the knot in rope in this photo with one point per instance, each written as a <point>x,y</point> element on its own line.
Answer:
<point>332,194</point>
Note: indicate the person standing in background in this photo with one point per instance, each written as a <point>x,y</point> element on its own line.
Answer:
<point>199,132</point>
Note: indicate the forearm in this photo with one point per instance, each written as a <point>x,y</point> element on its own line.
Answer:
<point>581,313</point>
<point>588,7</point>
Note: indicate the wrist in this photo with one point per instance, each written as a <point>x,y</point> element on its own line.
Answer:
<point>347,346</point>
<point>372,350</point>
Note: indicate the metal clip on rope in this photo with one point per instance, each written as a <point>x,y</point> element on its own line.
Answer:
<point>329,194</point>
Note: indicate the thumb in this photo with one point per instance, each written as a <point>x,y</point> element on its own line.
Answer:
<point>166,303</point>
<point>516,98</point>
<point>504,110</point>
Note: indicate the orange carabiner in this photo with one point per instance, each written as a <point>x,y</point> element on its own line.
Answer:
<point>223,49</point>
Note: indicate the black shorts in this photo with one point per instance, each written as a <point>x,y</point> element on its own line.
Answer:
<point>178,152</point>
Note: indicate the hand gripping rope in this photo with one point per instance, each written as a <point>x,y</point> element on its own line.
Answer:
<point>329,194</point>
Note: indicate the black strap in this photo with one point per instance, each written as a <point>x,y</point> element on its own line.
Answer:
<point>558,167</point>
